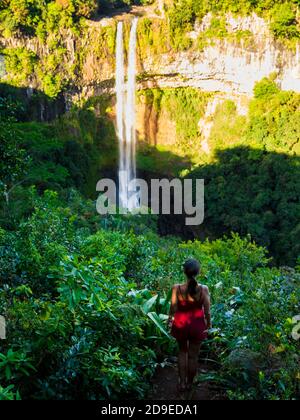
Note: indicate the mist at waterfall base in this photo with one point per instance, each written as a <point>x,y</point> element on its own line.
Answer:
<point>126,118</point>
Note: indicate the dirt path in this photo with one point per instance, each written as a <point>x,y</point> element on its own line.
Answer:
<point>164,386</point>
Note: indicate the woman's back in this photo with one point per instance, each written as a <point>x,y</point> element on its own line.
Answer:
<point>189,321</point>
<point>190,305</point>
<point>187,302</point>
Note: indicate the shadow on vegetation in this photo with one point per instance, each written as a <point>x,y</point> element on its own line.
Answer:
<point>109,9</point>
<point>251,192</point>
<point>57,152</point>
<point>160,163</point>
<point>31,104</point>
<point>247,190</point>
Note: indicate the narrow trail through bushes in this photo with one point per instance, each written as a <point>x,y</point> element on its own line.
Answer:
<point>164,385</point>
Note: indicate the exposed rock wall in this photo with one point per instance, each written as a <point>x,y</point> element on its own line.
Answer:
<point>155,127</point>
<point>230,67</point>
<point>226,65</point>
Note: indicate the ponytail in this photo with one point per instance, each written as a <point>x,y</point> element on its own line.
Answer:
<point>192,286</point>
<point>191,270</point>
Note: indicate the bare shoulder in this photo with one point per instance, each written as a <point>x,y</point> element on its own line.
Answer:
<point>205,289</point>
<point>178,285</point>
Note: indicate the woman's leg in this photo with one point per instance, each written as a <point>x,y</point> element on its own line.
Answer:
<point>183,362</point>
<point>193,353</point>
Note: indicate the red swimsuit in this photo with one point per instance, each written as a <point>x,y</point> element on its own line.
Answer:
<point>189,321</point>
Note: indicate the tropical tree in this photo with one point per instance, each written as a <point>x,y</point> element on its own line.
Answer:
<point>13,160</point>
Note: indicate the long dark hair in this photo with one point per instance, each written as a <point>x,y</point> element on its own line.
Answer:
<point>191,270</point>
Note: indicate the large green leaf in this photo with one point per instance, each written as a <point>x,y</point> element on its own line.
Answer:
<point>158,322</point>
<point>165,302</point>
<point>148,305</point>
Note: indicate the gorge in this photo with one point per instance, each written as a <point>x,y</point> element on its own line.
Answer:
<point>230,65</point>
<point>226,67</point>
<point>200,91</point>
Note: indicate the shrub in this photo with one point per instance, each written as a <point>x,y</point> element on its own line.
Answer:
<point>19,63</point>
<point>85,8</point>
<point>284,23</point>
<point>86,317</point>
<point>266,87</point>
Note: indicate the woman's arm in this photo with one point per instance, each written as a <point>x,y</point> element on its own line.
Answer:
<point>206,305</point>
<point>173,307</point>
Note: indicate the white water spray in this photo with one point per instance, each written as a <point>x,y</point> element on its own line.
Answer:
<point>126,115</point>
<point>120,79</point>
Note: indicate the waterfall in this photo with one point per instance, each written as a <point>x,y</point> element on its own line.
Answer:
<point>120,92</point>
<point>126,115</point>
<point>120,81</point>
<point>130,112</point>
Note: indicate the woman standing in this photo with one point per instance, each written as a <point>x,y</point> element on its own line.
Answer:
<point>190,307</point>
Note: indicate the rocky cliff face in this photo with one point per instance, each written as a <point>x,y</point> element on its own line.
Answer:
<point>225,65</point>
<point>228,66</point>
